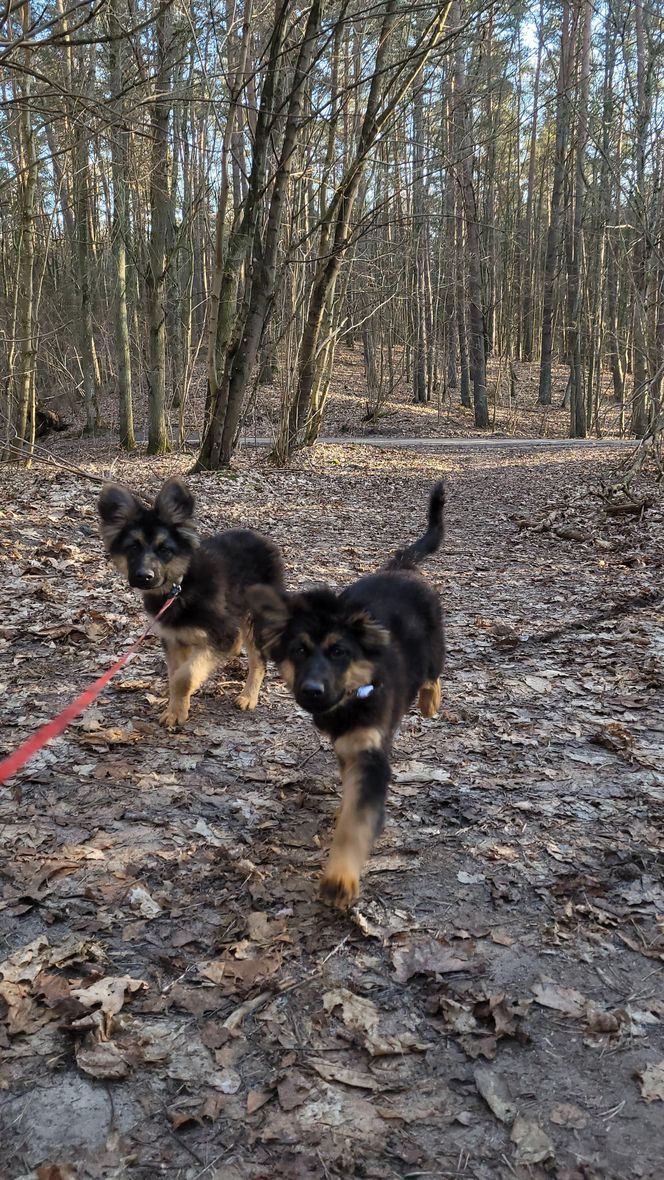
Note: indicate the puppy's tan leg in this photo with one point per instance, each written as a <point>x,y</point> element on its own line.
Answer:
<point>248,698</point>
<point>365,775</point>
<point>429,698</point>
<point>188,669</point>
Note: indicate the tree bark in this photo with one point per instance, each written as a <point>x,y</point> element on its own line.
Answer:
<point>119,148</point>
<point>553,236</point>
<point>24,402</point>
<point>219,443</point>
<point>578,420</point>
<point>472,242</point>
<point>527,301</point>
<point>639,416</point>
<point>155,279</point>
<point>336,225</point>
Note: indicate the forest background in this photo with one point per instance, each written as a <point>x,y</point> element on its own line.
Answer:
<point>209,210</point>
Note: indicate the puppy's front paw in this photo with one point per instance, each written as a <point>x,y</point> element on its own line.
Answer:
<point>172,717</point>
<point>340,887</point>
<point>244,701</point>
<point>429,698</point>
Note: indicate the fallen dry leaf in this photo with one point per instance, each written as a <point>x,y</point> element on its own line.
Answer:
<point>495,1092</point>
<point>391,1045</point>
<point>257,1098</point>
<point>429,956</point>
<point>100,1059</point>
<point>565,1114</point>
<point>563,999</point>
<point>502,938</point>
<point>533,1145</point>
<point>479,1046</point>
<point>357,1013</point>
<point>23,1015</point>
<point>421,772</point>
<point>333,1071</point>
<point>105,998</point>
<point>239,975</point>
<point>292,1092</point>
<point>652,1082</point>
<point>262,928</point>
<point>26,962</point>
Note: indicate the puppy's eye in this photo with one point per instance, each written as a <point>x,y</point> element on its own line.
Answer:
<point>132,546</point>
<point>336,652</point>
<point>299,651</point>
<point>164,551</point>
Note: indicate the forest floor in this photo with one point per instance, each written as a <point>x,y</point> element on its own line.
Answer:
<point>176,1000</point>
<point>512,413</point>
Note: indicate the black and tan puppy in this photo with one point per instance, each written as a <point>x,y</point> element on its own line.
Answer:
<point>356,661</point>
<point>157,547</point>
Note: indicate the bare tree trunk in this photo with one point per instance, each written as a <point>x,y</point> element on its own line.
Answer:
<point>462,331</point>
<point>610,206</point>
<point>220,440</point>
<point>476,318</point>
<point>639,417</point>
<point>553,237</point>
<point>155,278</point>
<point>119,147</point>
<point>578,421</point>
<point>81,82</point>
<point>657,365</point>
<point>421,338</point>
<point>527,308</point>
<point>336,224</point>
<point>265,258</point>
<point>24,403</point>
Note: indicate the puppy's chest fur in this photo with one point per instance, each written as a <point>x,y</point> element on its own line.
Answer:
<point>380,709</point>
<point>206,613</point>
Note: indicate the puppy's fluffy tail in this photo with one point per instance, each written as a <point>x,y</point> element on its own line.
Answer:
<point>430,542</point>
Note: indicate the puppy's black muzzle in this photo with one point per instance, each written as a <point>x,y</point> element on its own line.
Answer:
<point>144,579</point>
<point>317,688</point>
<point>312,694</point>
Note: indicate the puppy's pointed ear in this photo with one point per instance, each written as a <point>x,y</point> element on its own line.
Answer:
<point>270,612</point>
<point>117,508</point>
<point>371,636</point>
<point>175,504</point>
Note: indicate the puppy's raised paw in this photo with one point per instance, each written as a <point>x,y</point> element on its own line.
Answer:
<point>245,702</point>
<point>429,698</point>
<point>340,887</point>
<point>171,718</point>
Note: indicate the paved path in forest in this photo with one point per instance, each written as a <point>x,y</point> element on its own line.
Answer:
<point>380,440</point>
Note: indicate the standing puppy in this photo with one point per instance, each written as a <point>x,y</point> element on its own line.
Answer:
<point>158,547</point>
<point>356,661</point>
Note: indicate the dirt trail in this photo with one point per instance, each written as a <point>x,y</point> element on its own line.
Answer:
<point>493,1007</point>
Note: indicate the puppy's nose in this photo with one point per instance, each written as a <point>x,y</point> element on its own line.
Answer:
<point>314,690</point>
<point>145,577</point>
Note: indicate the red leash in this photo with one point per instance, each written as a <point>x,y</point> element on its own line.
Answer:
<point>13,763</point>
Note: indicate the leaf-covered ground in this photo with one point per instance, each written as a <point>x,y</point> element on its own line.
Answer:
<point>173,998</point>
<point>514,409</point>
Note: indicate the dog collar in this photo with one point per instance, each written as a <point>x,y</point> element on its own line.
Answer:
<point>364,691</point>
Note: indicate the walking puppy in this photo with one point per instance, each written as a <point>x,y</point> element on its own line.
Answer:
<point>356,661</point>
<point>158,547</point>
